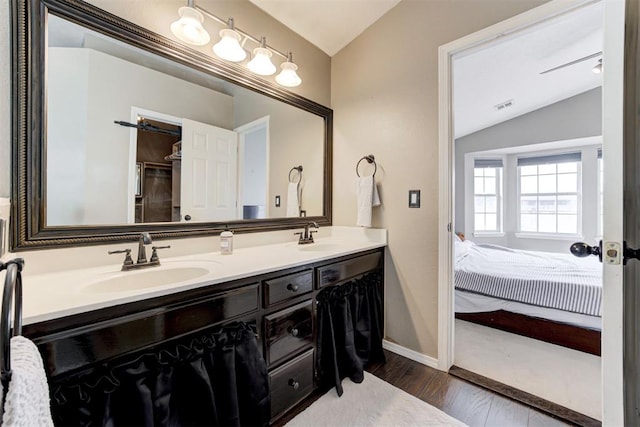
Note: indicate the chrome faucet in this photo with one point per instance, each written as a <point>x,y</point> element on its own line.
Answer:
<point>306,236</point>
<point>144,239</point>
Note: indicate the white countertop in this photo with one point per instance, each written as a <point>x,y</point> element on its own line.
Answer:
<point>48,296</point>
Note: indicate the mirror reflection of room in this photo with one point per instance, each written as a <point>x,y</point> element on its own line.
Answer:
<point>529,184</point>
<point>237,146</point>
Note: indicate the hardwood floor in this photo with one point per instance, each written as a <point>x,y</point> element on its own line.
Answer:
<point>469,403</point>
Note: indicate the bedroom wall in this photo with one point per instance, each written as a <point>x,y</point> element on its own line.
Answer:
<point>571,119</point>
<point>384,93</point>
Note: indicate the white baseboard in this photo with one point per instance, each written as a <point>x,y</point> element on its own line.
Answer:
<point>410,354</point>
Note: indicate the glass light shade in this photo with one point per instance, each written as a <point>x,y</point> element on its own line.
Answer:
<point>189,27</point>
<point>229,46</point>
<point>288,76</point>
<point>261,62</point>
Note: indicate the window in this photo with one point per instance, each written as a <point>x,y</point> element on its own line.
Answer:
<point>549,193</point>
<point>487,195</point>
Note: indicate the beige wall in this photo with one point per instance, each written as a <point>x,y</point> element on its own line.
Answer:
<point>384,93</point>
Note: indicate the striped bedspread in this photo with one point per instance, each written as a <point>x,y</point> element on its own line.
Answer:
<point>559,281</point>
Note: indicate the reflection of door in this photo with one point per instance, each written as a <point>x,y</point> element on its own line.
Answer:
<point>209,173</point>
<point>253,169</point>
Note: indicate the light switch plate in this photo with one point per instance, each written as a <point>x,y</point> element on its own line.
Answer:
<point>414,198</point>
<point>277,201</point>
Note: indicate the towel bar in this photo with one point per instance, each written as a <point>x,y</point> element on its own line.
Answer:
<point>12,284</point>
<point>296,168</point>
<point>370,159</point>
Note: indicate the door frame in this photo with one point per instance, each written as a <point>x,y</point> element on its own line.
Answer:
<point>613,56</point>
<point>242,130</point>
<point>133,152</point>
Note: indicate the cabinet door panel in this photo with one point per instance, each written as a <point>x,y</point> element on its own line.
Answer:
<point>288,331</point>
<point>291,383</point>
<point>339,271</point>
<point>286,287</point>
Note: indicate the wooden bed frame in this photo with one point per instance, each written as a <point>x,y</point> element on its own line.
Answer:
<point>574,337</point>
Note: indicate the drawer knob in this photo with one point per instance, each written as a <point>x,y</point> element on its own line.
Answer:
<point>294,332</point>
<point>292,287</point>
<point>293,383</point>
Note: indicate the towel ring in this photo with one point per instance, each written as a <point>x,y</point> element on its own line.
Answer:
<point>12,284</point>
<point>296,168</point>
<point>370,159</point>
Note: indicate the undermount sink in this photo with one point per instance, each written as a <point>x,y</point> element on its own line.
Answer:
<point>320,247</point>
<point>143,279</point>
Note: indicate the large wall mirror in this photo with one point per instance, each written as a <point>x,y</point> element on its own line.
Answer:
<point>118,130</point>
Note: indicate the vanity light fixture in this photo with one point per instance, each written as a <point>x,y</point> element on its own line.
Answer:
<point>189,27</point>
<point>230,47</point>
<point>288,76</point>
<point>261,62</point>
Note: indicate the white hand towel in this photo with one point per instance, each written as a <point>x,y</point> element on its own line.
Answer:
<point>293,204</point>
<point>367,197</point>
<point>27,402</point>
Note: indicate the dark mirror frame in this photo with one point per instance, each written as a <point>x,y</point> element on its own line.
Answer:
<point>28,205</point>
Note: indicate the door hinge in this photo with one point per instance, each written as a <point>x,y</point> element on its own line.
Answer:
<point>449,227</point>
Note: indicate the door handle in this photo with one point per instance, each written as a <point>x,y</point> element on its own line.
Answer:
<point>581,250</point>
<point>187,217</point>
<point>629,253</point>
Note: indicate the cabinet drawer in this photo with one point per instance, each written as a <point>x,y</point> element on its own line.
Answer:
<point>343,270</point>
<point>282,288</point>
<point>288,331</point>
<point>291,383</point>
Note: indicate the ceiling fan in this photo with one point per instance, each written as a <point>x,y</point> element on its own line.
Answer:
<point>584,58</point>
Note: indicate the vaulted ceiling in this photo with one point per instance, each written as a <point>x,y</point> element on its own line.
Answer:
<point>506,71</point>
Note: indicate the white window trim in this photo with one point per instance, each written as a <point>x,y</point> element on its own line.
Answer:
<point>544,235</point>
<point>549,236</point>
<point>469,191</point>
<point>488,234</point>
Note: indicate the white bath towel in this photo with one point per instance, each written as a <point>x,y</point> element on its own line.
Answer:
<point>367,197</point>
<point>293,203</point>
<point>27,402</point>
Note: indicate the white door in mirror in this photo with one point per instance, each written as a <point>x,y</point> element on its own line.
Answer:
<point>208,189</point>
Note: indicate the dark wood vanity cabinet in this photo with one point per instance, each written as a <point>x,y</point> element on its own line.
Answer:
<point>280,305</point>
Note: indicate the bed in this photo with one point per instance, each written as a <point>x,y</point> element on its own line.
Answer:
<point>549,296</point>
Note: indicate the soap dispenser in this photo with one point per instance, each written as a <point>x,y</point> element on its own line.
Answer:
<point>226,242</point>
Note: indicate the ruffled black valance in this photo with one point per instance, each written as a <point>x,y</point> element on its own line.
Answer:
<point>350,328</point>
<point>217,378</point>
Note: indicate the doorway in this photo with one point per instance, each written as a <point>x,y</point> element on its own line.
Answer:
<point>253,169</point>
<point>613,54</point>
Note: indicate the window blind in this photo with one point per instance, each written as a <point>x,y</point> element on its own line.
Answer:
<point>487,163</point>
<point>554,158</point>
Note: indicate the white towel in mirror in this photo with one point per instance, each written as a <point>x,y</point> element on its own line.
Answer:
<point>293,202</point>
<point>367,197</point>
